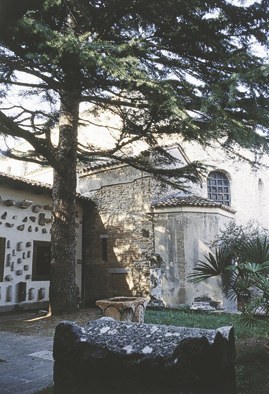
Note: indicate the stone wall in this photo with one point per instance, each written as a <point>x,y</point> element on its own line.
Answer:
<point>25,217</point>
<point>107,356</point>
<point>121,224</point>
<point>149,252</point>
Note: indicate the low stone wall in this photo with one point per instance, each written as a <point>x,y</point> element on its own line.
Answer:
<point>108,356</point>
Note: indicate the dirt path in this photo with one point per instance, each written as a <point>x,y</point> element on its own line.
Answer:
<point>30,323</point>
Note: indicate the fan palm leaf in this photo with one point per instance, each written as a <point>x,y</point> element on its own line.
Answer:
<point>214,265</point>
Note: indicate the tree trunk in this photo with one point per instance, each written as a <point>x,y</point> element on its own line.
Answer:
<point>63,288</point>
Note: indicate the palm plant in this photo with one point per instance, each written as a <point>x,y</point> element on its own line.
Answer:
<point>245,275</point>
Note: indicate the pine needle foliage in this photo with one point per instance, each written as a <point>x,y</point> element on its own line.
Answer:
<point>175,67</point>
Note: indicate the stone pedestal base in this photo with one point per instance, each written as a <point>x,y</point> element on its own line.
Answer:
<point>131,309</point>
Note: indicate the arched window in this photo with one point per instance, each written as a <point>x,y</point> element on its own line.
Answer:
<point>218,187</point>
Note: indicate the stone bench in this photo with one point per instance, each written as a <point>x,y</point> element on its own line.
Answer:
<point>108,356</point>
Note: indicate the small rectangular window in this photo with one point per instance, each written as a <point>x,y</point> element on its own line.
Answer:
<point>41,260</point>
<point>104,239</point>
<point>2,257</point>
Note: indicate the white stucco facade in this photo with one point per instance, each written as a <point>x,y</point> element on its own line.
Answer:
<point>25,223</point>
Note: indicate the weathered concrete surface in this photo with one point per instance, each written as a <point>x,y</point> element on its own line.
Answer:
<point>131,309</point>
<point>108,356</point>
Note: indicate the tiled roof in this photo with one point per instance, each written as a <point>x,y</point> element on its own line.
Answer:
<point>178,200</point>
<point>18,181</point>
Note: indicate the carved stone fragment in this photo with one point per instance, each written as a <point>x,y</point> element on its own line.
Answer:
<point>41,219</point>
<point>10,203</point>
<point>8,278</point>
<point>19,261</point>
<point>19,272</point>
<point>26,267</point>
<point>30,229</point>
<point>4,215</point>
<point>19,246</point>
<point>44,231</point>
<point>41,293</point>
<point>47,207</point>
<point>28,244</point>
<point>28,276</point>
<point>36,208</point>
<point>10,224</point>
<point>31,293</point>
<point>32,218</point>
<point>26,204</point>
<point>25,219</point>
<point>9,294</point>
<point>21,227</point>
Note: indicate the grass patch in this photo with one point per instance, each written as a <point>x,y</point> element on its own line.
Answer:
<point>252,362</point>
<point>187,318</point>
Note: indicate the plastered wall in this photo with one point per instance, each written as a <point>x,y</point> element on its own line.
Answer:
<point>182,237</point>
<point>25,217</point>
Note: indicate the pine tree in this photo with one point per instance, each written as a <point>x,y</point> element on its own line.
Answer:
<point>163,67</point>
